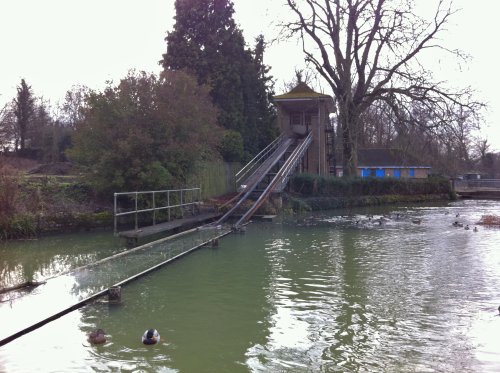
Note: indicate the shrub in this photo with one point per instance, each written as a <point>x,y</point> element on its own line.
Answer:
<point>490,220</point>
<point>9,180</point>
<point>20,226</point>
<point>231,146</point>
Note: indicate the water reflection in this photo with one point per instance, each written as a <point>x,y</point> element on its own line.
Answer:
<point>38,260</point>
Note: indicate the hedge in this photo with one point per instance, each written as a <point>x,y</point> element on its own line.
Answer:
<point>310,185</point>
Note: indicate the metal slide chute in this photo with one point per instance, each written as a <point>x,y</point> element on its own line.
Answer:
<point>259,172</point>
<point>280,179</point>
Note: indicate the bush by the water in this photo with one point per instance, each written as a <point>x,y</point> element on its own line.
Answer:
<point>490,220</point>
<point>314,186</point>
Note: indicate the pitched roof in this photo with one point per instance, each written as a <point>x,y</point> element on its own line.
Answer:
<point>387,158</point>
<point>301,91</point>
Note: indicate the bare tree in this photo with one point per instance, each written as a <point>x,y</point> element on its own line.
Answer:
<point>7,127</point>
<point>368,51</point>
<point>481,147</point>
<point>301,76</point>
<point>72,109</point>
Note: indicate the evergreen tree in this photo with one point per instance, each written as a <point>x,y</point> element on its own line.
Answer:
<point>24,110</point>
<point>207,43</point>
<point>266,113</point>
<point>40,132</point>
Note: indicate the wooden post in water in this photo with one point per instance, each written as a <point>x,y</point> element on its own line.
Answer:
<point>115,294</point>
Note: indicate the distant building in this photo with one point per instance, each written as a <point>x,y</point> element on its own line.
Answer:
<point>389,163</point>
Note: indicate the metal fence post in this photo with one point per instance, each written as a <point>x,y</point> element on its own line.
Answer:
<point>192,201</point>
<point>168,204</point>
<point>154,209</point>
<point>181,204</point>
<point>136,224</point>
<point>115,217</point>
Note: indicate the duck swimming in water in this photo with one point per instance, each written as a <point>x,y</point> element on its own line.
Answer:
<point>97,337</point>
<point>151,337</point>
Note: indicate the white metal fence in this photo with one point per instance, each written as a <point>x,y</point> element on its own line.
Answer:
<point>155,201</point>
<point>477,184</point>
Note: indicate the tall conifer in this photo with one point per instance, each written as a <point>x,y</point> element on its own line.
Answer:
<point>24,106</point>
<point>206,42</point>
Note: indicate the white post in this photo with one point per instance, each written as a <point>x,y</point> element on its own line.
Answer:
<point>136,224</point>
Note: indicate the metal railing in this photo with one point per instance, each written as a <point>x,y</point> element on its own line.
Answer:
<point>172,199</point>
<point>291,163</point>
<point>477,184</point>
<point>258,159</point>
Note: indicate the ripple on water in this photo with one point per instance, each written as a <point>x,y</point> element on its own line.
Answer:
<point>405,296</point>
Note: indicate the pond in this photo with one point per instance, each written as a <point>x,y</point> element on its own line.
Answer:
<point>388,289</point>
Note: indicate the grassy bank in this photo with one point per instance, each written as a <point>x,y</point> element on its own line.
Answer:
<point>36,199</point>
<point>47,198</point>
<point>46,204</point>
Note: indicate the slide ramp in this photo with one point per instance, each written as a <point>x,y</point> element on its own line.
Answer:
<point>260,172</point>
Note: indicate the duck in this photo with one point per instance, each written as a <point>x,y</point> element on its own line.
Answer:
<point>467,227</point>
<point>416,221</point>
<point>475,229</point>
<point>457,224</point>
<point>151,337</point>
<point>97,337</point>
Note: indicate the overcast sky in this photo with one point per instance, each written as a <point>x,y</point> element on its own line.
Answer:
<point>55,44</point>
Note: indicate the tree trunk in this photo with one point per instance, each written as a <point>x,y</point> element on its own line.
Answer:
<point>22,141</point>
<point>348,123</point>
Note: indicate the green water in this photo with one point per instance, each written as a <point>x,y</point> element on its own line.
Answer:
<point>334,292</point>
<point>37,260</point>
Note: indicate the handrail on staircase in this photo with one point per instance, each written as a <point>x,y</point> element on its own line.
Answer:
<point>263,154</point>
<point>291,163</point>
